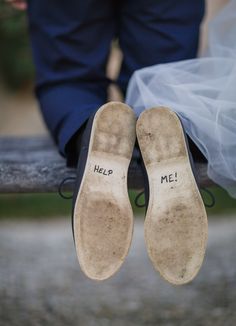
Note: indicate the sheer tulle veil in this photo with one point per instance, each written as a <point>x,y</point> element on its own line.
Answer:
<point>203,93</point>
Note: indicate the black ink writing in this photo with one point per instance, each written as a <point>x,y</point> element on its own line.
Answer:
<point>164,178</point>
<point>169,178</point>
<point>103,171</point>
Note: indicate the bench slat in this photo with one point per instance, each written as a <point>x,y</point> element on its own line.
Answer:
<point>33,165</point>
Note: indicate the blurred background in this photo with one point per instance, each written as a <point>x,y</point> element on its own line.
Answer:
<point>40,280</point>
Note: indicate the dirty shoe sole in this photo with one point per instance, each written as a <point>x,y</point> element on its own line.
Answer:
<point>176,220</point>
<point>103,217</point>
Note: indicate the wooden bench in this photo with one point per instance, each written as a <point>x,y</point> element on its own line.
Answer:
<point>33,165</point>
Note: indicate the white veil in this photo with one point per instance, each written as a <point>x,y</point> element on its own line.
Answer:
<point>203,92</point>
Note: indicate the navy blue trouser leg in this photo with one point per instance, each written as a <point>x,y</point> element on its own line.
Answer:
<point>70,43</point>
<point>157,31</point>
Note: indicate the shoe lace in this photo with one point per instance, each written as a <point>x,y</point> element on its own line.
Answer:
<point>210,194</point>
<point>137,198</point>
<point>207,191</point>
<point>61,185</point>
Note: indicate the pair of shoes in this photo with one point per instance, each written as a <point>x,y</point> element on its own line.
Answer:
<point>102,219</point>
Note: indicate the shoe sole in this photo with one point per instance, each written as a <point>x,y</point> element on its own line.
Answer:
<point>176,220</point>
<point>103,217</point>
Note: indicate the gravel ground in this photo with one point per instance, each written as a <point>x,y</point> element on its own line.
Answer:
<point>41,282</point>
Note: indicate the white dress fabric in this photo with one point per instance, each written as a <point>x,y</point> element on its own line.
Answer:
<point>203,93</point>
